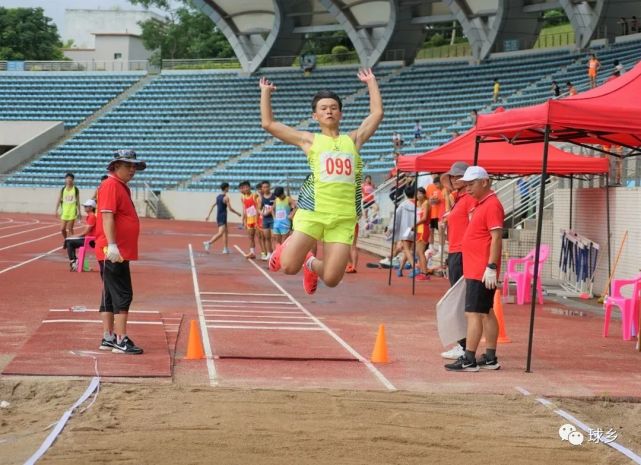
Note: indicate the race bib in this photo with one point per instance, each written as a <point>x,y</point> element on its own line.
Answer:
<point>337,167</point>
<point>281,214</point>
<point>251,211</point>
<point>267,209</point>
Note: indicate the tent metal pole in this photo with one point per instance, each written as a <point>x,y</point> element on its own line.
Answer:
<point>609,233</point>
<point>414,248</point>
<point>537,250</point>
<point>476,150</point>
<point>571,200</point>
<point>394,201</point>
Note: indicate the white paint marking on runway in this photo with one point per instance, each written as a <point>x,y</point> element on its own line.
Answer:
<point>253,294</point>
<point>129,322</point>
<point>388,385</point>
<point>301,323</point>
<point>274,328</point>
<point>253,315</point>
<point>249,302</point>
<point>28,230</point>
<point>211,368</point>
<point>29,242</point>
<point>261,307</point>
<point>29,261</point>
<point>253,312</point>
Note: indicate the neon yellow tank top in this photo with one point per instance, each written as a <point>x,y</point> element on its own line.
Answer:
<point>69,210</point>
<point>334,186</point>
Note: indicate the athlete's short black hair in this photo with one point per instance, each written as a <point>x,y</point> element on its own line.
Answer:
<point>410,191</point>
<point>70,175</point>
<point>224,185</point>
<point>265,182</point>
<point>278,191</point>
<point>244,183</point>
<point>321,94</point>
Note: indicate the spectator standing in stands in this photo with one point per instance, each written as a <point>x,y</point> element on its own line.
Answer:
<point>496,91</point>
<point>68,204</point>
<point>593,69</point>
<point>571,89</point>
<point>618,67</point>
<point>435,199</point>
<point>457,219</point>
<point>634,25</point>
<point>624,26</point>
<point>556,90</point>
<point>397,140</point>
<point>222,204</point>
<point>74,243</point>
<point>418,131</point>
<point>481,259</point>
<point>474,114</point>
<point>117,231</point>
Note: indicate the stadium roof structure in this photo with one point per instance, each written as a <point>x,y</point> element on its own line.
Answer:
<point>259,30</point>
<point>502,158</point>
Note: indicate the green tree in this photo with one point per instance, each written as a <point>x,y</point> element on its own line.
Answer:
<point>27,34</point>
<point>185,34</point>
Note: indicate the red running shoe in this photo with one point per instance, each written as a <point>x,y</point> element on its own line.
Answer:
<point>310,279</point>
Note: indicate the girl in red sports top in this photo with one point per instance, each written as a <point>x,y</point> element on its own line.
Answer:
<point>422,232</point>
<point>250,215</point>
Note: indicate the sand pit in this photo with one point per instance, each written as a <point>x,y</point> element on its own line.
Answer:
<point>156,424</point>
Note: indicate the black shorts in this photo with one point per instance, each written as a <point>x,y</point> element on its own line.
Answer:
<point>478,298</point>
<point>221,219</point>
<point>117,292</point>
<point>434,223</point>
<point>454,267</point>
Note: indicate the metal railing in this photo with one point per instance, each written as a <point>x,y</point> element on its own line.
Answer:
<point>445,51</point>
<point>196,64</point>
<point>520,198</point>
<point>555,40</point>
<point>88,65</point>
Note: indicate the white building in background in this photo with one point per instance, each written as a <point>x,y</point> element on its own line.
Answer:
<point>114,51</point>
<point>81,26</point>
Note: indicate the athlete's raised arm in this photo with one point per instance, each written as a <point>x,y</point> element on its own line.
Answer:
<point>289,135</point>
<point>370,124</point>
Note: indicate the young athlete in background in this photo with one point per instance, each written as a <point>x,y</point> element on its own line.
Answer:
<point>221,204</point>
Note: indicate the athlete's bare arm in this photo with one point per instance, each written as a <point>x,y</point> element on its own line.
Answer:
<point>228,203</point>
<point>370,124</point>
<point>287,134</point>
<point>210,211</point>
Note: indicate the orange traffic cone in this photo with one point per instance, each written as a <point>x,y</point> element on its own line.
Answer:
<point>379,355</point>
<point>498,311</point>
<point>194,345</point>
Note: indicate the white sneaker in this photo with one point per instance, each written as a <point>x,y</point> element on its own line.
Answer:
<point>226,250</point>
<point>385,261</point>
<point>263,256</point>
<point>206,245</point>
<point>454,353</point>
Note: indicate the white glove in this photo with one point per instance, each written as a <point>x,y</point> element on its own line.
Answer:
<point>489,278</point>
<point>113,254</point>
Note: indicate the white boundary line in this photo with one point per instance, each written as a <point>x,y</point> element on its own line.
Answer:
<point>211,368</point>
<point>17,225</point>
<point>26,231</point>
<point>29,242</point>
<point>242,293</point>
<point>254,312</point>
<point>299,323</point>
<point>270,307</point>
<point>29,261</point>
<point>569,417</point>
<point>275,328</point>
<point>233,315</point>
<point>335,336</point>
<point>129,322</point>
<point>248,302</point>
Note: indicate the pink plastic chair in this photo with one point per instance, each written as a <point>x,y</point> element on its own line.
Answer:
<point>629,307</point>
<point>82,251</point>
<point>523,278</point>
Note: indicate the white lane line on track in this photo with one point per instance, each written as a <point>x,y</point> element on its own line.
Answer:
<point>27,230</point>
<point>254,315</point>
<point>256,294</point>
<point>18,225</point>
<point>211,368</point>
<point>388,385</point>
<point>29,261</point>
<point>300,323</point>
<point>276,328</point>
<point>569,417</point>
<point>252,302</point>
<point>261,307</point>
<point>129,322</point>
<point>257,312</point>
<point>29,242</point>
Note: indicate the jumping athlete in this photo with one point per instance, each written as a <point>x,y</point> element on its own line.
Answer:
<point>222,204</point>
<point>329,203</point>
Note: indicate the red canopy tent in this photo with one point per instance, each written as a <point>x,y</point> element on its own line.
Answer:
<point>501,158</point>
<point>608,115</point>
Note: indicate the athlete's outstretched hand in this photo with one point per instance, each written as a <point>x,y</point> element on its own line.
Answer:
<point>265,83</point>
<point>366,75</point>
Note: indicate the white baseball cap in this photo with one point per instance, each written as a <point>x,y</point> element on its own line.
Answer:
<point>89,203</point>
<point>475,172</point>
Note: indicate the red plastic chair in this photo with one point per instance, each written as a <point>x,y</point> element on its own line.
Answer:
<point>629,306</point>
<point>82,251</point>
<point>523,278</point>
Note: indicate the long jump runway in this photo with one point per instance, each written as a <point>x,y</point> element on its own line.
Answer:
<point>256,328</point>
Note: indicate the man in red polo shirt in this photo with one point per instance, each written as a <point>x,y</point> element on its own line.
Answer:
<point>481,249</point>
<point>457,220</point>
<point>117,230</point>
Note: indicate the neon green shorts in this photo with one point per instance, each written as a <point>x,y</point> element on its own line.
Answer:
<point>326,227</point>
